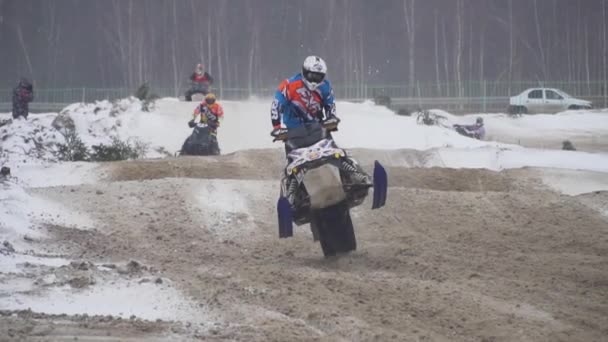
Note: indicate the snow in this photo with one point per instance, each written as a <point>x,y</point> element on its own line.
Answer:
<point>518,157</point>
<point>119,298</point>
<point>57,174</point>
<point>574,183</point>
<point>23,215</point>
<point>15,262</point>
<point>569,122</point>
<point>228,203</point>
<point>247,126</point>
<point>28,141</point>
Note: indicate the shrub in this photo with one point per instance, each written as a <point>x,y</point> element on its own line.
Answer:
<point>147,98</point>
<point>73,149</point>
<point>119,150</point>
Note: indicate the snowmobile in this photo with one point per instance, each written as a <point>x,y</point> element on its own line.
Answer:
<point>196,92</point>
<point>202,141</point>
<point>327,185</point>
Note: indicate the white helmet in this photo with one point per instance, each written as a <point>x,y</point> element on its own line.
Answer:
<point>313,71</point>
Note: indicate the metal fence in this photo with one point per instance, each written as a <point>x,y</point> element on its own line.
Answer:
<point>468,96</point>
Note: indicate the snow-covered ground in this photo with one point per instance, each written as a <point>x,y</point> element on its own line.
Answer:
<point>29,148</point>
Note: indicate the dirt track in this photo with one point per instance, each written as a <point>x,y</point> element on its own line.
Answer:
<point>455,256</point>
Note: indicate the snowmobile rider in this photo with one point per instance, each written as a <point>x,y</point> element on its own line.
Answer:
<point>302,99</point>
<point>209,112</point>
<point>23,94</point>
<point>201,81</point>
<point>477,130</point>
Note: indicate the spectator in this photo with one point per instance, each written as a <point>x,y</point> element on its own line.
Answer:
<point>23,94</point>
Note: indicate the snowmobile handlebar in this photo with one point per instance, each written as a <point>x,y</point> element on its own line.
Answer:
<point>329,125</point>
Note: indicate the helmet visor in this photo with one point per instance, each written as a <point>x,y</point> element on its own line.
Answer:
<point>210,101</point>
<point>315,77</point>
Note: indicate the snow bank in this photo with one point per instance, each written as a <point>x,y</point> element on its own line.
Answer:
<point>502,158</point>
<point>247,126</point>
<point>120,298</point>
<point>575,182</point>
<point>560,126</point>
<point>31,141</point>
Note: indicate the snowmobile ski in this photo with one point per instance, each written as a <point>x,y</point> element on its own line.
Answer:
<point>285,218</point>
<point>380,186</point>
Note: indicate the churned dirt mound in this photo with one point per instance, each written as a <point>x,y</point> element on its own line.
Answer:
<point>253,164</point>
<point>456,255</point>
<point>267,165</point>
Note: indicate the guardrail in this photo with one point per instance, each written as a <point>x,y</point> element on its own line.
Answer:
<point>454,105</point>
<point>36,107</point>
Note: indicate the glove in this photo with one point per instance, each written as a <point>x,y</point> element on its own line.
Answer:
<point>277,130</point>
<point>331,123</point>
<point>191,123</point>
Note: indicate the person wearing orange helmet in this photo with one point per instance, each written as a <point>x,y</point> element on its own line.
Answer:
<point>209,112</point>
<point>205,121</point>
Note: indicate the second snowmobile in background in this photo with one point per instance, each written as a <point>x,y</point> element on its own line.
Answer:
<point>327,186</point>
<point>202,141</point>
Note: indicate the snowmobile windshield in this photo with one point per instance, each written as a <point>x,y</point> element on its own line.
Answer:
<point>305,135</point>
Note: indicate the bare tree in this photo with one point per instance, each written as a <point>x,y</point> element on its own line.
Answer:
<point>130,41</point>
<point>511,44</point>
<point>458,67</point>
<point>436,40</point>
<point>218,51</point>
<point>176,76</point>
<point>540,41</point>
<point>26,54</point>
<point>605,52</point>
<point>445,57</point>
<point>409,13</point>
<point>482,33</point>
<point>587,70</point>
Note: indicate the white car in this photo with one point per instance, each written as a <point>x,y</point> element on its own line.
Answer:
<point>545,100</point>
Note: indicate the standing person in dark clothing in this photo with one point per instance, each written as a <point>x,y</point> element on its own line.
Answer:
<point>23,94</point>
<point>201,81</point>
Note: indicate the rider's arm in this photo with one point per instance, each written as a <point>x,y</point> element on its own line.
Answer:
<point>209,77</point>
<point>197,113</point>
<point>219,114</point>
<point>329,103</point>
<point>280,99</point>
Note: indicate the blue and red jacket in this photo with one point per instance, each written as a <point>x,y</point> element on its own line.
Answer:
<point>294,104</point>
